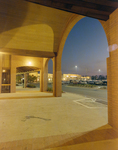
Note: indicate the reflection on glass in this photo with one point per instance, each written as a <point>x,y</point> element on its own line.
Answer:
<point>5,81</point>
<point>5,89</point>
<point>5,76</point>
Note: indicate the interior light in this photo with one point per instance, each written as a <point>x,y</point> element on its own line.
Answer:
<point>29,63</point>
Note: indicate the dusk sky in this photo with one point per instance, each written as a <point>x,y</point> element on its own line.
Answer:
<point>86,48</point>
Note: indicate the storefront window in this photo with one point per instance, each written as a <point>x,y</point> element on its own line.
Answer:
<point>5,81</point>
<point>5,76</point>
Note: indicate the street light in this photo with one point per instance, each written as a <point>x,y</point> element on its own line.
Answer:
<point>76,67</point>
<point>99,73</point>
<point>99,70</point>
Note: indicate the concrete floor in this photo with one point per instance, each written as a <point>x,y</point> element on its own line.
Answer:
<point>32,120</point>
<point>23,117</point>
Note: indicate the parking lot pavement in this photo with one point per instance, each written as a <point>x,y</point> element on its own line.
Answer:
<point>28,118</point>
<point>97,93</point>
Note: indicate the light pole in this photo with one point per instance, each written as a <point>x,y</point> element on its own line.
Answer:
<point>99,73</point>
<point>76,68</point>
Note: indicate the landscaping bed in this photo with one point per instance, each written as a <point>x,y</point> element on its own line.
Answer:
<point>83,85</point>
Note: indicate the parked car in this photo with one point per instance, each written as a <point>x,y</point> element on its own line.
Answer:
<point>67,82</point>
<point>104,82</point>
<point>62,82</point>
<point>82,82</point>
<point>91,82</point>
<point>98,82</point>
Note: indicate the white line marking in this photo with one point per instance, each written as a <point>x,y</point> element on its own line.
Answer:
<point>92,101</point>
<point>81,104</point>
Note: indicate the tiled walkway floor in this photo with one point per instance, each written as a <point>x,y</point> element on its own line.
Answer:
<point>42,123</point>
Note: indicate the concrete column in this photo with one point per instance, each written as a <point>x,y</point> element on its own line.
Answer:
<point>13,75</point>
<point>57,75</point>
<point>54,76</point>
<point>25,80</point>
<point>0,72</point>
<point>109,91</point>
<point>112,71</point>
<point>112,79</point>
<point>44,75</point>
<point>41,80</point>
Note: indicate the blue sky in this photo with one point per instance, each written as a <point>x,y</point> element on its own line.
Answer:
<point>85,47</point>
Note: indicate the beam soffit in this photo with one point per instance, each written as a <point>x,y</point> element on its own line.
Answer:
<point>97,9</point>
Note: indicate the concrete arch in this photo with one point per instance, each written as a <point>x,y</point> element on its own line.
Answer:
<point>106,29</point>
<point>72,21</point>
<point>69,25</point>
<point>47,60</point>
<point>110,27</point>
<point>57,61</point>
<point>44,74</point>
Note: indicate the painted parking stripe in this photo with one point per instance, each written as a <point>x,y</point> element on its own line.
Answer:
<point>92,101</point>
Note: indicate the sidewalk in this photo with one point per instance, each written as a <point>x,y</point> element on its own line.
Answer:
<point>52,121</point>
<point>25,93</point>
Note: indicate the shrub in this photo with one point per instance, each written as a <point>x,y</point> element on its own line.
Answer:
<point>49,89</point>
<point>31,86</point>
<point>17,84</point>
<point>83,85</point>
<point>31,78</point>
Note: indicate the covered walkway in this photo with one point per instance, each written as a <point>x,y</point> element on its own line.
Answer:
<point>30,28</point>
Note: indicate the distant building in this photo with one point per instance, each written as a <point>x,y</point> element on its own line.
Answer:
<point>50,78</point>
<point>71,77</point>
<point>65,77</point>
<point>86,78</point>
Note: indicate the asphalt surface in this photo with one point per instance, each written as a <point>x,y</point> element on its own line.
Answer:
<point>100,95</point>
<point>96,93</point>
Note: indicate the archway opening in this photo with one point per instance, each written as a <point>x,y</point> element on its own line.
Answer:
<point>84,70</point>
<point>27,77</point>
<point>50,75</point>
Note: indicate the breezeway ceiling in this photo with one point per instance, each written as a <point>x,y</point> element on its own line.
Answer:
<point>30,29</point>
<point>26,69</point>
<point>99,9</point>
<point>35,30</point>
